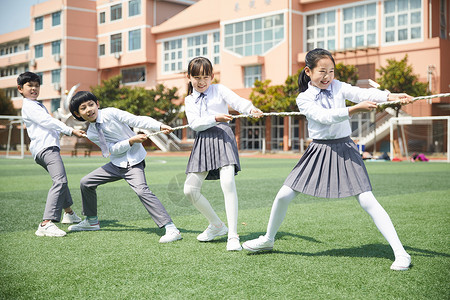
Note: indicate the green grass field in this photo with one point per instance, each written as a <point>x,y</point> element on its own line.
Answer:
<point>325,249</point>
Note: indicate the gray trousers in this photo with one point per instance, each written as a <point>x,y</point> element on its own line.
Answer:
<point>135,177</point>
<point>59,195</point>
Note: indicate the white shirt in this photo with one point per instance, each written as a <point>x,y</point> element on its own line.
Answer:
<point>42,128</point>
<point>116,125</point>
<point>333,123</point>
<point>201,115</point>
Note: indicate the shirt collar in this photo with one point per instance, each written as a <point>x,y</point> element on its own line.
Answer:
<point>99,117</point>
<point>196,94</point>
<point>316,90</point>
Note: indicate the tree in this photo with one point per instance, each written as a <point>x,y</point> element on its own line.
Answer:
<point>398,77</point>
<point>346,73</point>
<point>156,103</point>
<point>6,105</point>
<point>276,98</point>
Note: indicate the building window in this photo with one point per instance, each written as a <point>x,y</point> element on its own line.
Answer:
<point>133,75</point>
<point>56,47</point>
<point>216,46</point>
<point>321,31</point>
<point>254,37</point>
<point>116,12</point>
<point>197,46</point>
<point>173,56</point>
<point>443,16</point>
<point>134,39</point>
<point>101,50</point>
<point>38,51</point>
<point>26,47</point>
<point>360,26</point>
<point>56,103</point>
<point>252,134</point>
<point>56,76</point>
<point>102,17</point>
<point>134,8</point>
<point>402,20</point>
<point>41,77</point>
<point>277,132</point>
<point>251,74</point>
<point>56,18</point>
<point>116,43</point>
<point>38,23</point>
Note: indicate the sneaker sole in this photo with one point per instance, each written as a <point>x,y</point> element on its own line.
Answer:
<point>170,241</point>
<point>38,233</point>
<point>395,268</point>
<point>235,249</point>
<point>70,222</point>
<point>256,250</point>
<point>221,233</point>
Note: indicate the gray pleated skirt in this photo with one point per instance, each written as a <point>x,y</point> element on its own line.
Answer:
<point>214,148</point>
<point>330,169</point>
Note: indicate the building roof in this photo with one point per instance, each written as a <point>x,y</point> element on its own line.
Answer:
<point>190,17</point>
<point>15,35</point>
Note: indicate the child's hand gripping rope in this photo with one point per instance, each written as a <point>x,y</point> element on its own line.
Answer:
<point>256,113</point>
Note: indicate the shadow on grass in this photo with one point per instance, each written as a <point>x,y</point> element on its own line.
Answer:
<point>115,225</point>
<point>280,235</point>
<point>369,250</point>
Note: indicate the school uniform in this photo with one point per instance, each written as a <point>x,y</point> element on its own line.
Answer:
<point>111,133</point>
<point>331,166</point>
<point>215,144</point>
<point>44,131</point>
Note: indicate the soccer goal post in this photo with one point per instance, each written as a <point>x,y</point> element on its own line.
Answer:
<point>427,135</point>
<point>9,126</point>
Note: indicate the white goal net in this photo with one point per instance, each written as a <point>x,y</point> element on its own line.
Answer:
<point>410,136</point>
<point>12,136</point>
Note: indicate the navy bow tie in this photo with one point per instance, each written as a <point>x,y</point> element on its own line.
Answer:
<point>202,99</point>
<point>327,93</point>
<point>324,101</point>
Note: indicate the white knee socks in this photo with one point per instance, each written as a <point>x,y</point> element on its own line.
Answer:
<point>192,190</point>
<point>279,209</point>
<point>231,199</point>
<point>382,221</point>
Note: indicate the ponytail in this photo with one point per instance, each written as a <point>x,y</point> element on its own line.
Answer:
<point>303,80</point>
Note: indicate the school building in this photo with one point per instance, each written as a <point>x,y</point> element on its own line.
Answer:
<point>148,42</point>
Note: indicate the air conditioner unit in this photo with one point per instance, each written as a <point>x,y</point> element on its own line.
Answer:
<point>57,58</point>
<point>117,55</point>
<point>57,86</point>
<point>33,62</point>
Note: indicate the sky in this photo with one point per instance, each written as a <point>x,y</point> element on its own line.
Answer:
<point>15,14</point>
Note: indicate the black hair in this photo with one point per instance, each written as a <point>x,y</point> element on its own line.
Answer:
<point>311,59</point>
<point>28,77</point>
<point>199,66</point>
<point>78,99</point>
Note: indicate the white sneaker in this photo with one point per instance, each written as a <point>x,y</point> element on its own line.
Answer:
<point>401,263</point>
<point>84,226</point>
<point>212,232</point>
<point>233,244</point>
<point>70,218</point>
<point>259,244</point>
<point>170,236</point>
<point>50,229</point>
